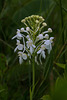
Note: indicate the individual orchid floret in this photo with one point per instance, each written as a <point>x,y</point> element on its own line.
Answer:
<point>18,36</point>
<point>51,39</point>
<point>42,52</point>
<point>28,37</point>
<point>22,56</point>
<point>41,49</point>
<point>22,30</point>
<point>18,30</point>
<point>30,45</point>
<point>48,45</point>
<point>46,36</point>
<point>40,37</point>
<point>19,46</point>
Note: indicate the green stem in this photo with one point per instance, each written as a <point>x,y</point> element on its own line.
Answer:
<point>29,74</point>
<point>62,27</point>
<point>33,78</point>
<point>33,73</point>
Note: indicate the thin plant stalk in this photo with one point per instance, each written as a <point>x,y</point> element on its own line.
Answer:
<point>33,79</point>
<point>62,25</point>
<point>33,71</point>
<point>33,76</point>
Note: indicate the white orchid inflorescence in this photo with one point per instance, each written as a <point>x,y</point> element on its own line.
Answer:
<point>33,39</point>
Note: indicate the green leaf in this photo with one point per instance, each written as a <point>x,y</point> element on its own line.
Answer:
<point>60,90</point>
<point>65,74</point>
<point>45,97</point>
<point>60,65</point>
<point>2,90</point>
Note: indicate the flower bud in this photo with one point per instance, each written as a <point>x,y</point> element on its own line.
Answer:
<point>22,29</point>
<point>23,21</point>
<point>27,29</point>
<point>49,30</point>
<point>44,24</point>
<point>46,36</point>
<point>37,21</point>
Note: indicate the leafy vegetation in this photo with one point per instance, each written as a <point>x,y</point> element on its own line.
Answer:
<point>51,76</point>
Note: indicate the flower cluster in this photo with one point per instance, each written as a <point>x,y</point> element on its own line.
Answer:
<point>33,40</point>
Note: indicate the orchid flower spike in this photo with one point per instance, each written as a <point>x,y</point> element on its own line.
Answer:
<point>33,39</point>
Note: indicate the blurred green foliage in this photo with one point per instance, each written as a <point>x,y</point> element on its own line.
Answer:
<point>15,79</point>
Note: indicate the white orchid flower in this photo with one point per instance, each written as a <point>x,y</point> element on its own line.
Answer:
<point>48,45</point>
<point>19,46</point>
<point>41,51</point>
<point>46,36</point>
<point>30,45</point>
<point>22,29</point>
<point>18,30</point>
<point>40,37</point>
<point>51,39</point>
<point>22,56</point>
<point>18,35</point>
<point>28,37</point>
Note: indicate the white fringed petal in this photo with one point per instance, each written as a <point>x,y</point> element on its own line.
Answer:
<point>15,49</point>
<point>36,60</point>
<point>18,36</point>
<point>20,60</point>
<point>14,37</point>
<point>33,46</point>
<point>51,39</point>
<point>20,47</point>
<point>39,51</point>
<point>31,49</point>
<point>48,46</point>
<point>28,37</point>
<point>43,54</point>
<point>24,56</point>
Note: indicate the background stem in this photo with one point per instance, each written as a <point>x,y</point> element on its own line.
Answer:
<point>62,25</point>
